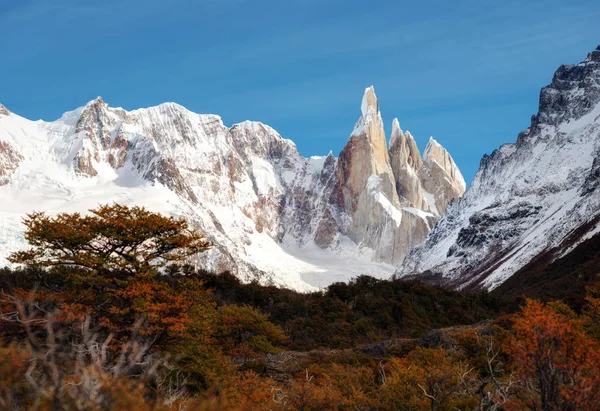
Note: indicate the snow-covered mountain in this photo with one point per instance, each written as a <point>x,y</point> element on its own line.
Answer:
<point>528,198</point>
<point>272,214</point>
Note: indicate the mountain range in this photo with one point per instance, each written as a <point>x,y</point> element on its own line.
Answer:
<point>379,208</point>
<point>273,215</point>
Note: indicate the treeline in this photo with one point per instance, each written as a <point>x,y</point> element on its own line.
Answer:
<point>361,311</point>
<point>104,316</point>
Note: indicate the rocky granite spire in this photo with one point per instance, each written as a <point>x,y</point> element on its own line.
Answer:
<point>440,176</point>
<point>365,153</point>
<point>377,198</point>
<point>406,162</point>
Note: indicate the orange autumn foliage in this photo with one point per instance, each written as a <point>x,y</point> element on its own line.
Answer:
<point>113,237</point>
<point>558,364</point>
<point>243,331</point>
<point>109,260</point>
<point>199,343</point>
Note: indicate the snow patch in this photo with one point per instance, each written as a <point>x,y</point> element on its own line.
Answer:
<point>419,213</point>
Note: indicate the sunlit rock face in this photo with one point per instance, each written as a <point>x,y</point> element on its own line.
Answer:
<point>441,177</point>
<point>378,197</point>
<point>406,164</point>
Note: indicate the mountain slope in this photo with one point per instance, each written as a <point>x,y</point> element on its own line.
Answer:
<point>273,215</point>
<point>554,275</point>
<point>527,198</point>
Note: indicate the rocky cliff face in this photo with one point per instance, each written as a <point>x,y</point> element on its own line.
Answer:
<point>406,164</point>
<point>527,197</point>
<point>273,215</point>
<point>440,177</point>
<point>381,193</point>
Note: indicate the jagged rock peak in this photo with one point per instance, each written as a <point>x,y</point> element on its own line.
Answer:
<point>434,152</point>
<point>396,132</point>
<point>573,93</point>
<point>369,101</point>
<point>98,101</point>
<point>256,126</point>
<point>594,55</point>
<point>4,111</point>
<point>259,138</point>
<point>404,147</point>
<point>405,161</point>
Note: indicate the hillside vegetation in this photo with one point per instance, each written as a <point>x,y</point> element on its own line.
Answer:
<point>103,315</point>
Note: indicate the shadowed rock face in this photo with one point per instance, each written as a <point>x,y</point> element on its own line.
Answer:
<point>573,93</point>
<point>527,198</point>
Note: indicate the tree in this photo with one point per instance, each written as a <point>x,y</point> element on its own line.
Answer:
<point>557,363</point>
<point>428,378</point>
<point>109,263</point>
<point>112,237</point>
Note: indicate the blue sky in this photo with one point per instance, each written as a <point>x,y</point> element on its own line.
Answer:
<point>467,73</point>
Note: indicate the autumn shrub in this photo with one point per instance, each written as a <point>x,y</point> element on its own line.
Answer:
<point>71,367</point>
<point>246,332</point>
<point>558,364</point>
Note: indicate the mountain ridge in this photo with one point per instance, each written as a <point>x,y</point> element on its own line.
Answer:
<point>273,215</point>
<point>528,196</point>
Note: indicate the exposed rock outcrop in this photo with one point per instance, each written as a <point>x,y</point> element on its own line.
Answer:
<point>9,161</point>
<point>427,183</point>
<point>406,162</point>
<point>4,111</point>
<point>441,177</point>
<point>98,138</point>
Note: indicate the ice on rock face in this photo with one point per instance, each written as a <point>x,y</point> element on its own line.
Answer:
<point>526,197</point>
<point>272,214</point>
